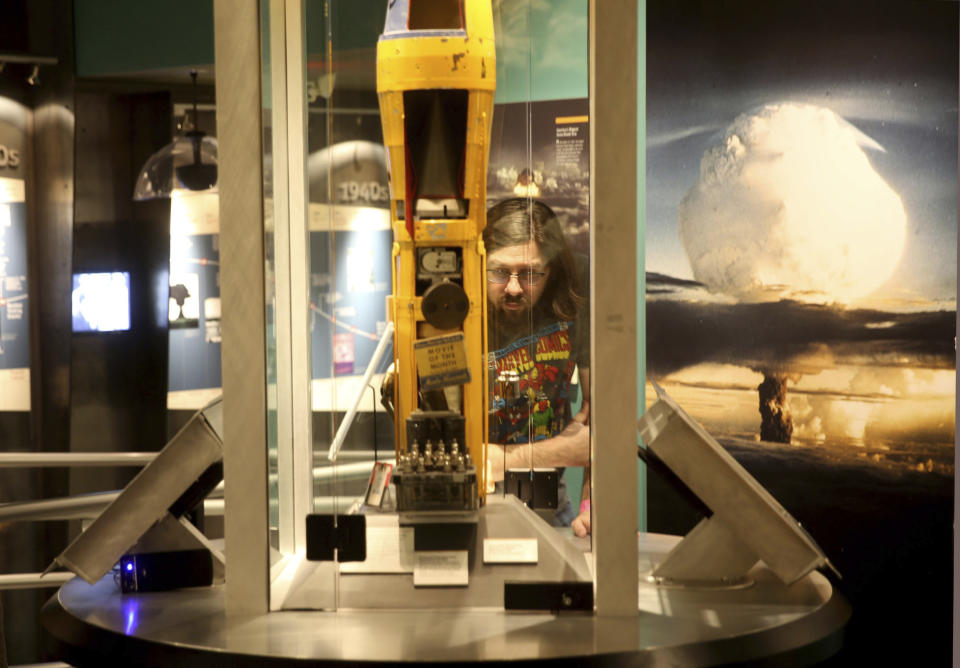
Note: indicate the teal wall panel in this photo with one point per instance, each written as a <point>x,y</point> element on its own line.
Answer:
<point>541,50</point>
<point>117,36</point>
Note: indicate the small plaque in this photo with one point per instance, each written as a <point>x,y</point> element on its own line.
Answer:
<point>379,479</point>
<point>510,551</point>
<point>389,550</point>
<point>13,190</point>
<point>441,361</point>
<point>447,568</point>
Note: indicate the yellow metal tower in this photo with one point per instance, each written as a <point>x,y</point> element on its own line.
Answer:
<point>436,76</point>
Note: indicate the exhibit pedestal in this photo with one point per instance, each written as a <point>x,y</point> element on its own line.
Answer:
<point>801,624</point>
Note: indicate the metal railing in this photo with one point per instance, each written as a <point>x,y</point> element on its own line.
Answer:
<point>74,459</point>
<point>88,506</point>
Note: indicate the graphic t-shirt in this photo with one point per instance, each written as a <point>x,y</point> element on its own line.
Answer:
<point>530,384</point>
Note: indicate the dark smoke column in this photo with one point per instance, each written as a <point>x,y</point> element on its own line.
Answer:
<point>775,422</point>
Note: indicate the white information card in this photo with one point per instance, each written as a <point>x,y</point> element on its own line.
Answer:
<point>510,551</point>
<point>389,550</point>
<point>441,568</point>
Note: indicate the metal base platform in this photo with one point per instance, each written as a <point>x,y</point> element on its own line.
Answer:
<point>762,623</point>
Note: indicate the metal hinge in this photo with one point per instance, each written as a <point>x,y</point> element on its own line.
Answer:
<point>340,536</point>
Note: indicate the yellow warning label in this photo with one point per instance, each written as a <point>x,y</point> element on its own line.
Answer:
<point>441,361</point>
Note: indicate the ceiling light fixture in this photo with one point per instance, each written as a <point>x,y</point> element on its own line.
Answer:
<point>188,163</point>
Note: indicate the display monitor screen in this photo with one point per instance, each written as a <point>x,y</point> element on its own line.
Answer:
<point>101,302</point>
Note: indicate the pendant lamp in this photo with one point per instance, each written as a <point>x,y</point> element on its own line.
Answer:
<point>189,162</point>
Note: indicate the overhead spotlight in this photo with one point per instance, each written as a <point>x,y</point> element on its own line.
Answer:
<point>34,78</point>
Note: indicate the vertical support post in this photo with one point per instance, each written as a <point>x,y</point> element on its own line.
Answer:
<point>291,264</point>
<point>278,205</point>
<point>641,248</point>
<point>239,132</point>
<point>613,229</point>
<point>299,274</point>
<point>956,489</point>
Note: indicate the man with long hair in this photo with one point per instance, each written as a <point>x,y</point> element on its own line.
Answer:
<point>538,337</point>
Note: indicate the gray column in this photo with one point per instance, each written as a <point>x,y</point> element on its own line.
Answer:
<point>613,229</point>
<point>239,133</point>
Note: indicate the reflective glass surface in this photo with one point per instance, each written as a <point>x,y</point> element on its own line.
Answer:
<point>448,327</point>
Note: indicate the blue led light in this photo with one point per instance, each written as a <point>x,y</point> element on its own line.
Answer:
<point>129,566</point>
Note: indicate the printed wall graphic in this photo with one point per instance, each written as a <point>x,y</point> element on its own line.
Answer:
<point>801,265</point>
<point>350,246</point>
<point>343,355</point>
<point>14,293</point>
<point>184,306</point>
<point>542,150</point>
<point>14,334</point>
<point>14,316</point>
<point>194,312</point>
<point>211,316</point>
<point>350,281</point>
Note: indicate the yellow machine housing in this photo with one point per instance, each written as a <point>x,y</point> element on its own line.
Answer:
<point>436,76</point>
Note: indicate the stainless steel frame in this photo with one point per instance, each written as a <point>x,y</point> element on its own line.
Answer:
<point>239,128</point>
<point>291,255</point>
<point>613,302</point>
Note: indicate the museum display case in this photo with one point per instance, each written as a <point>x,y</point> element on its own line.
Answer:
<point>385,142</point>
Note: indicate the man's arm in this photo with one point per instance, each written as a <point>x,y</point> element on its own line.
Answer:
<point>571,447</point>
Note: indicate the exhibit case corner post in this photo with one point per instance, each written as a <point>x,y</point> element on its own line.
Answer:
<point>613,79</point>
<point>244,348</point>
<point>432,320</point>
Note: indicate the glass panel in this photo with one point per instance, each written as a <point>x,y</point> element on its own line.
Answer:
<point>271,275</point>
<point>193,377</point>
<point>403,272</point>
<point>537,243</point>
<point>350,243</point>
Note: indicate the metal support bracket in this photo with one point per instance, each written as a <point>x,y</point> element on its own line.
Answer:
<point>537,488</point>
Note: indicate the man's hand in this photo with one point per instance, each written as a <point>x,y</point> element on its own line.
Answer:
<point>581,524</point>
<point>496,464</point>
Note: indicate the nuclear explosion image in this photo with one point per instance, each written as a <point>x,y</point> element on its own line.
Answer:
<point>801,273</point>
<point>787,205</point>
<point>775,422</point>
<point>803,214</point>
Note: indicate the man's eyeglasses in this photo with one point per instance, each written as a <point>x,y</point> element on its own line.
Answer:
<point>524,277</point>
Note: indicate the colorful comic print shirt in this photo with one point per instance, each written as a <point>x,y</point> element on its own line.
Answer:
<point>530,384</point>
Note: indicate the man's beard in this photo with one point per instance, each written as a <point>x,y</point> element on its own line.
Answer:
<point>512,316</point>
